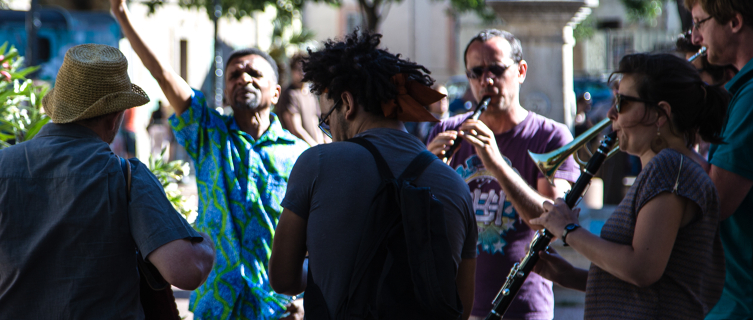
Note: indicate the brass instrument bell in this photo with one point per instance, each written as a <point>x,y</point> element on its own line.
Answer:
<point>548,163</point>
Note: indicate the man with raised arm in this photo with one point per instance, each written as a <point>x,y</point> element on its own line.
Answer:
<point>725,28</point>
<point>508,189</point>
<point>242,166</point>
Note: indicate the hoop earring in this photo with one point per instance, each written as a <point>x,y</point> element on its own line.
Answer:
<point>658,143</point>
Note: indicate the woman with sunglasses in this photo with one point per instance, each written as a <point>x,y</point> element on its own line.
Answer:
<point>659,255</point>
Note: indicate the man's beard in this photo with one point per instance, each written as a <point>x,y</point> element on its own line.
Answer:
<point>342,129</point>
<point>252,103</point>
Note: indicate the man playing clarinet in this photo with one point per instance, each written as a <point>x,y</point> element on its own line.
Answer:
<point>507,188</point>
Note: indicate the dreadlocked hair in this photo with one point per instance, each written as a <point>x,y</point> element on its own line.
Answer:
<point>356,65</point>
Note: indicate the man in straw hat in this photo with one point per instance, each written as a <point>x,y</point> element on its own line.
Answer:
<point>370,93</point>
<point>242,165</point>
<point>67,230</point>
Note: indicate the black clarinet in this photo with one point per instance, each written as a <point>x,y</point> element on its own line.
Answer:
<point>477,113</point>
<point>522,269</point>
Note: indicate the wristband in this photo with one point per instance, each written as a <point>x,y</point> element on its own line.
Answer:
<point>568,228</point>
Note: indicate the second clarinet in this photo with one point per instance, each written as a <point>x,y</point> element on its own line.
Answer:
<point>520,271</point>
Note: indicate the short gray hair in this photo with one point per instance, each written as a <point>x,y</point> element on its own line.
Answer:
<point>483,36</point>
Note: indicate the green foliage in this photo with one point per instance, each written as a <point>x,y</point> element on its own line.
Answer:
<point>373,10</point>
<point>586,28</point>
<point>283,47</point>
<point>283,42</point>
<point>646,10</point>
<point>169,175</point>
<point>20,99</point>
<point>477,6</point>
<point>243,8</point>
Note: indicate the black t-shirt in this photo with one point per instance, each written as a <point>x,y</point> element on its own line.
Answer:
<point>332,186</point>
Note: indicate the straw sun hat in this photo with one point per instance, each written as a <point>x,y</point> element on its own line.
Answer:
<point>92,81</point>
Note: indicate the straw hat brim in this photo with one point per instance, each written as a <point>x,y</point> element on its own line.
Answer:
<point>60,112</point>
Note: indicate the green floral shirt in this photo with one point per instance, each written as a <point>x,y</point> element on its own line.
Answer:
<point>241,182</point>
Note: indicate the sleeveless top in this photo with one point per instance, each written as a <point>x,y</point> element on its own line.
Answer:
<point>693,279</point>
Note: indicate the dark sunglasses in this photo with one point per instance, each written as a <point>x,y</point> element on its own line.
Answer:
<point>478,72</point>
<point>620,97</point>
<point>324,124</point>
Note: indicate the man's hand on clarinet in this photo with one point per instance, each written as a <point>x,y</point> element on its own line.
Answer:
<point>482,139</point>
<point>441,143</point>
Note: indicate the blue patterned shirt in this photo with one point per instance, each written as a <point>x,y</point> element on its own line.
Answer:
<point>241,182</point>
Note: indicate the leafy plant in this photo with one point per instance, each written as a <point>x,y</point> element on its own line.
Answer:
<point>284,46</point>
<point>20,99</point>
<point>169,175</point>
<point>585,29</point>
<point>646,10</point>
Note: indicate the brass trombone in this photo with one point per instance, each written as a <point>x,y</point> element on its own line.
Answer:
<point>548,163</point>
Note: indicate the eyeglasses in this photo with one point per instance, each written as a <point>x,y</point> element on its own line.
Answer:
<point>478,72</point>
<point>324,124</point>
<point>697,24</point>
<point>620,97</point>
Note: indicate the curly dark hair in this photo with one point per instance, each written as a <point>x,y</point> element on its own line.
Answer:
<point>356,65</point>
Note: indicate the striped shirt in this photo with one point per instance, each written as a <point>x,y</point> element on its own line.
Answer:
<point>241,182</point>
<point>693,279</point>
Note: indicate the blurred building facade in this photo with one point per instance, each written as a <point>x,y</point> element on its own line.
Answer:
<point>616,35</point>
<point>425,31</point>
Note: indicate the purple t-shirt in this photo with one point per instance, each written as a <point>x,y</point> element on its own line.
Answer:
<point>503,237</point>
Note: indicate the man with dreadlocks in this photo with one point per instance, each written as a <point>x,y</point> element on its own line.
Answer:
<point>371,93</point>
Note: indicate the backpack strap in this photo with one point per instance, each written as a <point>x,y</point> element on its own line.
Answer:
<point>148,270</point>
<point>384,169</point>
<point>417,166</point>
<point>126,167</point>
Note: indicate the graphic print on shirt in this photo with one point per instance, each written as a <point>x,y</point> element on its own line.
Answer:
<point>495,215</point>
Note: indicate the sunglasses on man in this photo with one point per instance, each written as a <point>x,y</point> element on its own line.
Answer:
<point>478,72</point>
